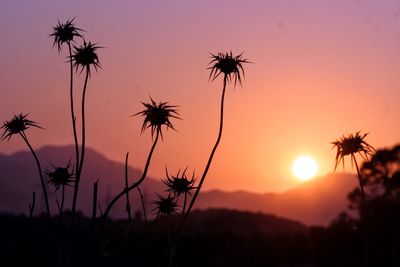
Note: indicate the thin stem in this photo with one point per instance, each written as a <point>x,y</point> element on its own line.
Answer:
<point>143,205</point>
<point>362,214</point>
<point>32,205</point>
<point>196,193</point>
<point>136,184</point>
<point>62,201</point>
<point>184,204</point>
<point>94,204</point>
<point>128,206</point>
<point>73,118</point>
<point>83,143</point>
<point>46,199</point>
<point>359,180</point>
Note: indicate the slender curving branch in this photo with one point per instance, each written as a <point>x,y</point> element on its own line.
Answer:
<point>128,205</point>
<point>71,97</point>
<point>46,199</point>
<point>196,193</point>
<point>83,144</point>
<point>136,184</point>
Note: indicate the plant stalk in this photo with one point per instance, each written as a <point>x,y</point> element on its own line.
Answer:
<point>136,184</point>
<point>196,193</point>
<point>46,199</point>
<point>83,144</point>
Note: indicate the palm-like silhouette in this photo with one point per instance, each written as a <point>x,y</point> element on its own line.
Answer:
<point>18,125</point>
<point>351,145</point>
<point>155,116</point>
<point>165,205</point>
<point>60,177</point>
<point>84,58</point>
<point>232,69</point>
<point>180,184</point>
<point>66,33</point>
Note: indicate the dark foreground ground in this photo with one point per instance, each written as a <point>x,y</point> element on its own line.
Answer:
<point>211,238</point>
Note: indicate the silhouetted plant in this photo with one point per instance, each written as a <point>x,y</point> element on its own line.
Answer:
<point>180,184</point>
<point>84,57</point>
<point>351,145</point>
<point>61,177</point>
<point>66,33</point>
<point>155,116</point>
<point>18,125</point>
<point>232,69</point>
<point>128,205</point>
<point>165,206</point>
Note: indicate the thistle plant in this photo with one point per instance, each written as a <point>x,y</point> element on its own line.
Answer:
<point>155,117</point>
<point>180,184</point>
<point>232,69</point>
<point>60,177</point>
<point>65,33</point>
<point>84,58</point>
<point>165,206</point>
<point>18,125</point>
<point>352,145</point>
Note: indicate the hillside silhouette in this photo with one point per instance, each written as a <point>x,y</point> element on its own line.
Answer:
<point>316,202</point>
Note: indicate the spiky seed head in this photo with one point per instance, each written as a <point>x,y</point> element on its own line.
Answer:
<point>350,145</point>
<point>60,176</point>
<point>157,115</point>
<point>85,56</point>
<point>18,124</point>
<point>180,183</point>
<point>65,33</point>
<point>165,205</point>
<point>231,66</point>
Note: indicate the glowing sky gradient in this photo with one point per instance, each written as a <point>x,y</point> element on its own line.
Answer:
<point>321,69</point>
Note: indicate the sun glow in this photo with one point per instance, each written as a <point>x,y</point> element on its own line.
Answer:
<point>304,168</point>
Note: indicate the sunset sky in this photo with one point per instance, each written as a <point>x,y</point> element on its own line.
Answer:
<point>321,69</point>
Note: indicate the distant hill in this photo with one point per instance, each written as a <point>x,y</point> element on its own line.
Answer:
<point>316,202</point>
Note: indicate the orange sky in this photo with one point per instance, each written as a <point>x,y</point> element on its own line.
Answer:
<point>321,69</point>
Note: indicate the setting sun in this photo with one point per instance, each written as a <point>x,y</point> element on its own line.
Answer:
<point>304,168</point>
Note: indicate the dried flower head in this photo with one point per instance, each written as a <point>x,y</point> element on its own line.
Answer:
<point>157,115</point>
<point>179,184</point>
<point>60,176</point>
<point>350,145</point>
<point>85,56</point>
<point>18,124</point>
<point>227,64</point>
<point>65,33</point>
<point>165,205</point>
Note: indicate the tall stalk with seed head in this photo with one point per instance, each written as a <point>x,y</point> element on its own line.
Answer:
<point>18,125</point>
<point>232,68</point>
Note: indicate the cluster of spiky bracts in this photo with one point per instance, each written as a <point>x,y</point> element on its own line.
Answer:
<point>84,56</point>
<point>177,185</point>
<point>350,145</point>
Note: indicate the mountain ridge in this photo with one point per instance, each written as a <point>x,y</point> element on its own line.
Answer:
<point>315,202</point>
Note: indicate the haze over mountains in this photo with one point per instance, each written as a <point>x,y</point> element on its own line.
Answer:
<point>316,202</point>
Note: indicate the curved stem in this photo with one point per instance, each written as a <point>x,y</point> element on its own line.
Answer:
<point>359,181</point>
<point>73,118</point>
<point>136,184</point>
<point>62,201</point>
<point>83,143</point>
<point>184,204</point>
<point>128,205</point>
<point>143,205</point>
<point>196,193</point>
<point>46,199</point>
